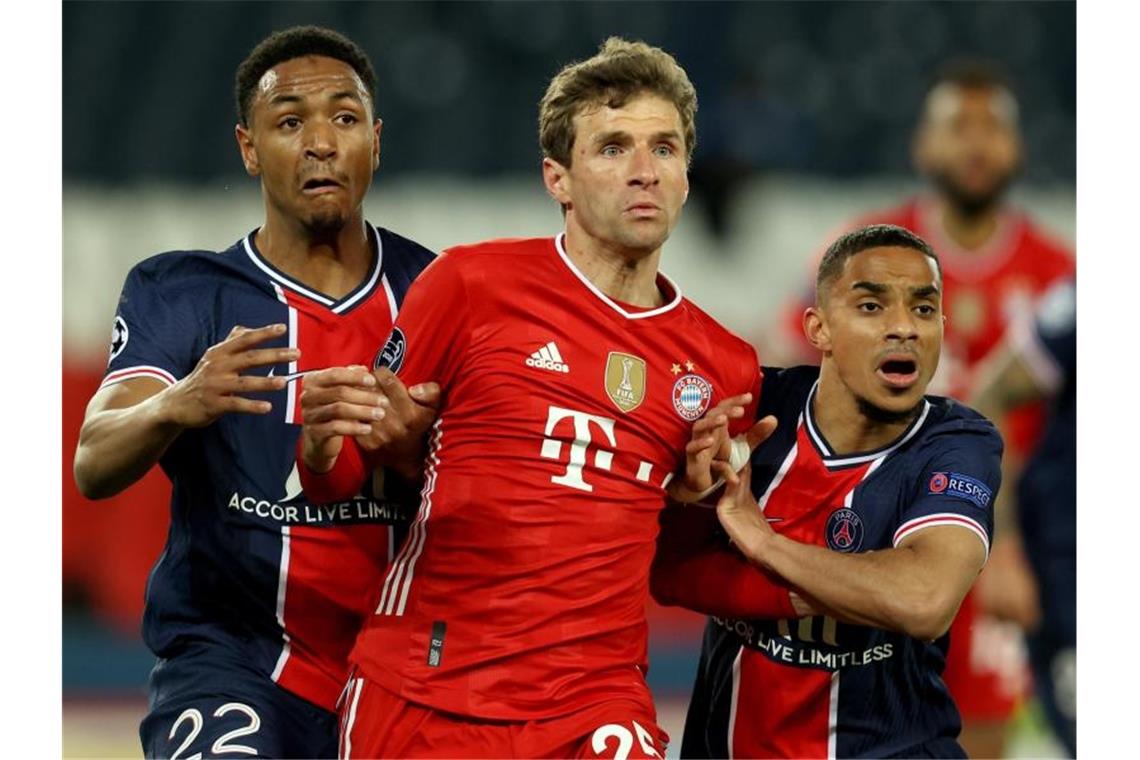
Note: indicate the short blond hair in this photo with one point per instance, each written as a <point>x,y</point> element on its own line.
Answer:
<point>619,71</point>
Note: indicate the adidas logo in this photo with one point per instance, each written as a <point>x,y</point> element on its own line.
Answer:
<point>547,357</point>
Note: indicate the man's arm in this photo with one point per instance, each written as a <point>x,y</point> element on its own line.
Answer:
<point>914,588</point>
<point>129,425</point>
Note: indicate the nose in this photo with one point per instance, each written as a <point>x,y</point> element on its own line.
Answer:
<point>901,324</point>
<point>320,140</point>
<point>643,168</point>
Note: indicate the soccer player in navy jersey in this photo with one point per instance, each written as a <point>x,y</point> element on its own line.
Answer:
<point>1038,361</point>
<point>255,602</point>
<point>836,560</point>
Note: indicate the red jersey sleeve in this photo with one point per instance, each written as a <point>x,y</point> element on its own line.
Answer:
<point>432,331</point>
<point>695,569</point>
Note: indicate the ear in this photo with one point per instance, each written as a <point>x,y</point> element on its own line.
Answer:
<point>816,329</point>
<point>376,127</point>
<point>248,151</point>
<point>557,180</point>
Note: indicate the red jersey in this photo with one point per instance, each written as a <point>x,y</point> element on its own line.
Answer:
<point>521,590</point>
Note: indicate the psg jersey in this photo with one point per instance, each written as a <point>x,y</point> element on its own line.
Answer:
<point>249,563</point>
<point>814,686</point>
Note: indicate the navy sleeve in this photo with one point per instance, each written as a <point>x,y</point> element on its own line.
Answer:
<point>957,483</point>
<point>1055,326</point>
<point>156,332</point>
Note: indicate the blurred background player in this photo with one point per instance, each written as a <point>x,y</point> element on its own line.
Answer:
<point>995,262</point>
<point>257,598</point>
<point>874,508</point>
<point>1038,360</point>
<point>512,624</point>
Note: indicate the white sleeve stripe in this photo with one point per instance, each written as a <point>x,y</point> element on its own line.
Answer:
<point>1046,372</point>
<point>130,373</point>
<point>943,518</point>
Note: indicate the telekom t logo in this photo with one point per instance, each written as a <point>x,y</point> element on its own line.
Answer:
<point>552,447</point>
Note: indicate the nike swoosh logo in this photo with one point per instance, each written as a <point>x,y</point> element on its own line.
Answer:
<point>292,375</point>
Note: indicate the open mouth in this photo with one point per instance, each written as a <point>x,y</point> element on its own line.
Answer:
<point>319,184</point>
<point>899,372</point>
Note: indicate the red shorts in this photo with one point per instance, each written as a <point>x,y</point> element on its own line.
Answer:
<point>987,670</point>
<point>374,722</point>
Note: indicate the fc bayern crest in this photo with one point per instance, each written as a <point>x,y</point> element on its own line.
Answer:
<point>691,396</point>
<point>845,531</point>
<point>392,354</point>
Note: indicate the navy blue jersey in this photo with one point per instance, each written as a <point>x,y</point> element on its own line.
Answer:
<point>816,687</point>
<point>249,563</point>
<point>1047,491</point>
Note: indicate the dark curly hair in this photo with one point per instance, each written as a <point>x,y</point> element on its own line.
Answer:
<point>297,42</point>
<point>862,239</point>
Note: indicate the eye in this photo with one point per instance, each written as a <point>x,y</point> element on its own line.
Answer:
<point>611,151</point>
<point>926,310</point>
<point>664,150</point>
<point>347,119</point>
<point>868,306</point>
<point>289,122</point>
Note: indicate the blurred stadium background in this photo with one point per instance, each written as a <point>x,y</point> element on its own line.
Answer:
<point>806,114</point>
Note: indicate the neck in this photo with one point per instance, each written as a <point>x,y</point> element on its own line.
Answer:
<point>334,263</point>
<point>969,231</point>
<point>623,275</point>
<point>851,426</point>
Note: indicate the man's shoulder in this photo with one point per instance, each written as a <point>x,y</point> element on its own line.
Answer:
<point>180,266</point>
<point>952,423</point>
<point>482,251</point>
<point>1043,244</point>
<point>404,250</point>
<point>784,390</point>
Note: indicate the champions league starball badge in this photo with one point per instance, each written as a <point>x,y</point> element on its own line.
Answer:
<point>691,396</point>
<point>844,531</point>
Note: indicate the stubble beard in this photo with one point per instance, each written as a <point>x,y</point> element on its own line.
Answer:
<point>967,203</point>
<point>883,416</point>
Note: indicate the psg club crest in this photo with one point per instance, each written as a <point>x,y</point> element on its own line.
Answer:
<point>392,354</point>
<point>691,396</point>
<point>625,380</point>
<point>844,531</point>
<point>119,336</point>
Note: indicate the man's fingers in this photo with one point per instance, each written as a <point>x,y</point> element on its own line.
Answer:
<point>725,471</point>
<point>760,432</point>
<point>241,337</point>
<point>710,423</point>
<point>256,384</point>
<point>355,375</point>
<point>396,392</point>
<point>311,397</point>
<point>244,405</point>
<point>338,427</point>
<point>264,357</point>
<point>340,410</point>
<point>427,394</point>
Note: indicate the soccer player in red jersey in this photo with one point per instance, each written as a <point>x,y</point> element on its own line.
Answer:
<point>995,263</point>
<point>513,623</point>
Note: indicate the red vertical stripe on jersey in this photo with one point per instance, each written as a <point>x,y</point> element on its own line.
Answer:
<point>781,710</point>
<point>322,617</point>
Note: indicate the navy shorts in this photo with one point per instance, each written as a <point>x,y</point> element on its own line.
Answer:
<point>203,701</point>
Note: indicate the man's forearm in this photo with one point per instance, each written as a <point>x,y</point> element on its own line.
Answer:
<point>118,446</point>
<point>886,589</point>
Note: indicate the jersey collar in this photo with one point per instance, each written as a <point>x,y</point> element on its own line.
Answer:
<point>560,246</point>
<point>337,306</point>
<point>831,459</point>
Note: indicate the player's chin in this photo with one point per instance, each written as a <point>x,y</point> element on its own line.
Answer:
<point>326,220</point>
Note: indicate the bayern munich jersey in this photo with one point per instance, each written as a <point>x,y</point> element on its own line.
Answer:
<point>250,564</point>
<point>521,590</point>
<point>813,686</point>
